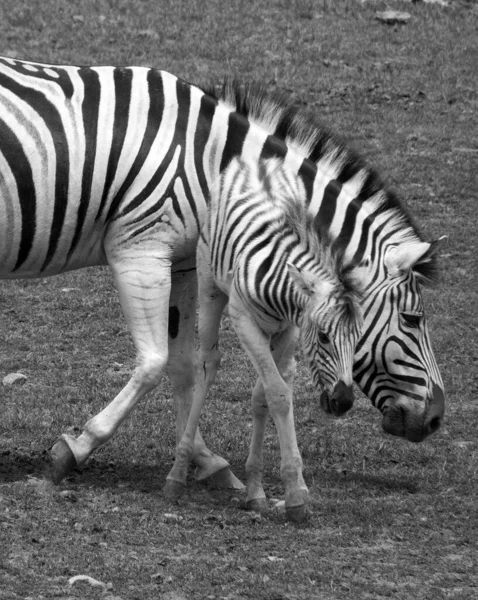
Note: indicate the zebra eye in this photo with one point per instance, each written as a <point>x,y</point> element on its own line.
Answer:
<point>323,338</point>
<point>412,320</point>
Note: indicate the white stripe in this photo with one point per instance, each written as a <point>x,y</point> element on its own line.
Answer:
<point>327,170</point>
<point>254,143</point>
<point>190,163</point>
<point>104,137</point>
<point>348,192</point>
<point>214,148</point>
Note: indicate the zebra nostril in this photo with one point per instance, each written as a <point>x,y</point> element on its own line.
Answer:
<point>434,424</point>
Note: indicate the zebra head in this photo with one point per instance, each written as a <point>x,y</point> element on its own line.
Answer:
<point>330,329</point>
<point>394,363</point>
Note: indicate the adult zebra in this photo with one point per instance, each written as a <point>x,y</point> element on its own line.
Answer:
<point>113,166</point>
<point>278,275</point>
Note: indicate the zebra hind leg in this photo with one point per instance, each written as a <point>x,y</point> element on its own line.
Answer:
<point>144,288</point>
<point>210,467</point>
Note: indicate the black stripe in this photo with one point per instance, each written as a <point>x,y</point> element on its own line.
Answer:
<point>261,242</point>
<point>327,208</point>
<point>89,110</point>
<point>201,136</point>
<point>237,129</point>
<point>364,233</point>
<point>155,115</point>
<point>122,79</point>
<point>348,226</point>
<point>273,147</point>
<point>308,173</point>
<point>15,156</point>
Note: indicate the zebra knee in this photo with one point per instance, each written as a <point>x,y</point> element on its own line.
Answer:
<point>279,399</point>
<point>149,369</point>
<point>258,400</point>
<point>209,363</point>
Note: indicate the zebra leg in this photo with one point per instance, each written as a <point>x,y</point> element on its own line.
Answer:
<point>211,306</point>
<point>143,285</point>
<point>181,371</point>
<point>278,396</point>
<point>283,346</point>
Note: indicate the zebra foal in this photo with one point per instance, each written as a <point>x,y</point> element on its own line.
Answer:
<point>260,251</point>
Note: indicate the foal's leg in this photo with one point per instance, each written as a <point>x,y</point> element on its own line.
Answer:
<point>181,371</point>
<point>143,285</point>
<point>283,346</point>
<point>278,396</point>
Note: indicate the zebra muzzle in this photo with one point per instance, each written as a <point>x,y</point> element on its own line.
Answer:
<point>339,402</point>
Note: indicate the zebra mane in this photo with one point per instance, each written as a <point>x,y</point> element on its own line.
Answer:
<point>278,116</point>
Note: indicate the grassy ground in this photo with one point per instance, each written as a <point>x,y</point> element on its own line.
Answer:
<point>388,519</point>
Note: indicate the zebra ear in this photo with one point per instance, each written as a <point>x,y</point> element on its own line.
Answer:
<point>308,283</point>
<point>407,255</point>
<point>356,278</point>
<point>301,279</point>
<point>434,247</point>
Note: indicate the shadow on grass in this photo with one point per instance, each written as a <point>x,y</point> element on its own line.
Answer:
<point>385,484</point>
<point>18,463</point>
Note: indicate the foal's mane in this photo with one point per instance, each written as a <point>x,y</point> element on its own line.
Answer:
<point>293,216</point>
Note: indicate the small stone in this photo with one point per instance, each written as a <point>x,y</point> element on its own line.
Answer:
<point>391,17</point>
<point>172,518</point>
<point>279,506</point>
<point>14,379</point>
<point>69,495</point>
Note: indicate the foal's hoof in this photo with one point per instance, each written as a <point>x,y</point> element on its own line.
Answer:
<point>63,461</point>
<point>296,514</point>
<point>257,505</point>
<point>173,490</point>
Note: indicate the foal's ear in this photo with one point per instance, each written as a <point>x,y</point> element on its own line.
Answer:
<point>357,278</point>
<point>308,283</point>
<point>302,279</point>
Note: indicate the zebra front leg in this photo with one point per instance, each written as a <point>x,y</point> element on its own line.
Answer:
<point>144,287</point>
<point>256,497</point>
<point>181,371</point>
<point>279,401</point>
<point>283,346</point>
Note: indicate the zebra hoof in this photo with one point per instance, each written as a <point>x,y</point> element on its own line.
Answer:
<point>63,461</point>
<point>225,478</point>
<point>173,490</point>
<point>296,514</point>
<point>257,505</point>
